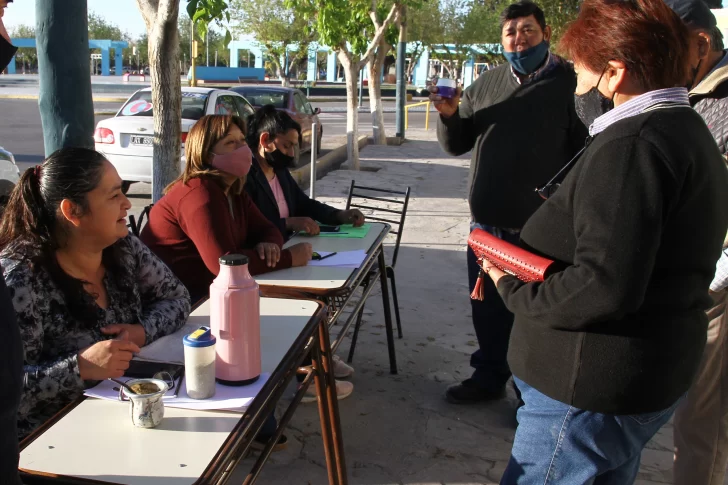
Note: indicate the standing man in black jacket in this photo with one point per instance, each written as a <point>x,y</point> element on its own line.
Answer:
<point>520,122</point>
<point>11,348</point>
<point>701,421</point>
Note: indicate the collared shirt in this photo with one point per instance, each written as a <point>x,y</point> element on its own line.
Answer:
<point>720,281</point>
<point>638,105</point>
<point>722,63</point>
<point>551,61</point>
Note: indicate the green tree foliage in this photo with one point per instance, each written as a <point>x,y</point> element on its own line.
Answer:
<point>276,27</point>
<point>206,12</point>
<point>101,29</point>
<point>27,57</point>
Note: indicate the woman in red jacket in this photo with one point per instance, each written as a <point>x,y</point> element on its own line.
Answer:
<point>205,213</point>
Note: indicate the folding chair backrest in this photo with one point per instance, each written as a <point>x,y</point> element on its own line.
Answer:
<point>361,197</point>
<point>137,226</point>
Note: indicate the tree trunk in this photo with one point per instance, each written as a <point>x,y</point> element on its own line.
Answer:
<point>351,73</point>
<point>65,102</point>
<point>283,76</point>
<point>166,93</point>
<point>415,58</point>
<point>376,64</point>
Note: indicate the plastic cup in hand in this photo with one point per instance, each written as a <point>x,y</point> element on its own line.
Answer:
<point>447,88</point>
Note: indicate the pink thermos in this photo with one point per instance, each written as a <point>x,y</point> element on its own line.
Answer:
<point>235,322</point>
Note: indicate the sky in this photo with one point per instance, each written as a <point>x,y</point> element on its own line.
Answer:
<point>123,13</point>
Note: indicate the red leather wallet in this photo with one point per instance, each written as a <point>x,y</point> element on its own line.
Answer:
<point>522,264</point>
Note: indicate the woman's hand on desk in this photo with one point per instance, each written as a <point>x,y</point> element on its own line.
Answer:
<point>301,254</point>
<point>109,358</point>
<point>351,216</point>
<point>303,224</point>
<point>136,333</point>
<point>269,252</point>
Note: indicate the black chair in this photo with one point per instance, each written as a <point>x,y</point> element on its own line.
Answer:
<point>359,197</point>
<point>136,227</point>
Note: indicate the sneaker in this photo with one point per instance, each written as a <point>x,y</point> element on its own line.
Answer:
<point>259,444</point>
<point>341,369</point>
<point>467,392</point>
<point>343,390</point>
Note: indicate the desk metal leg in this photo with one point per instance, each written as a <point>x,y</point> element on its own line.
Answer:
<point>387,312</point>
<point>324,413</point>
<point>332,404</point>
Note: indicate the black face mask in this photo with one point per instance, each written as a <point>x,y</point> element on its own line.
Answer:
<point>591,105</point>
<point>278,160</point>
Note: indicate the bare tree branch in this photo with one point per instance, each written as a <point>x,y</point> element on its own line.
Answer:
<point>166,11</point>
<point>379,35</point>
<point>148,8</point>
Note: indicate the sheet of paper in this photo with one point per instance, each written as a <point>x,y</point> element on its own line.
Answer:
<point>342,258</point>
<point>169,348</point>
<point>348,231</point>
<point>226,397</point>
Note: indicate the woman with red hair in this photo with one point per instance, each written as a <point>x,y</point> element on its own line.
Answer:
<point>603,350</point>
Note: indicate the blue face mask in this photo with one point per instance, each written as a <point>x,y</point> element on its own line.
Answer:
<point>525,62</point>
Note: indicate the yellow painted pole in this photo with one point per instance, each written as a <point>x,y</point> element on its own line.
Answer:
<point>406,117</point>
<point>193,80</point>
<point>427,116</point>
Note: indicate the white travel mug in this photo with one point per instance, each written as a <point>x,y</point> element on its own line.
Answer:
<point>200,363</point>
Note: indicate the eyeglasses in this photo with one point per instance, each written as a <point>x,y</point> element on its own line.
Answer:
<point>550,187</point>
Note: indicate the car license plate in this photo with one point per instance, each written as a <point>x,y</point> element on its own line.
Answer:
<point>142,140</point>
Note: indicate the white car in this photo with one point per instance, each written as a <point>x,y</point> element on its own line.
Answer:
<point>9,175</point>
<point>126,140</point>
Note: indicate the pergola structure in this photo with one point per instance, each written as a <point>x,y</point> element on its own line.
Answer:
<point>104,45</point>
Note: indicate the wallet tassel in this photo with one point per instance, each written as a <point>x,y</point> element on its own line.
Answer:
<point>478,293</point>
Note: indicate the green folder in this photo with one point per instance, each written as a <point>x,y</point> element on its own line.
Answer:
<point>348,231</point>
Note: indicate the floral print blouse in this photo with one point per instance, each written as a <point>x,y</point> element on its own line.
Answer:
<point>52,337</point>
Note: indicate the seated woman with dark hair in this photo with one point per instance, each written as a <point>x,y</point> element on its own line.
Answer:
<point>206,214</point>
<point>87,294</point>
<point>273,137</point>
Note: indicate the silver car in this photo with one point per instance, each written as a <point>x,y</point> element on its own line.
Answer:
<point>9,175</point>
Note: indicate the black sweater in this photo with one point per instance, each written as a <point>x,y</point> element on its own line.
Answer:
<point>299,204</point>
<point>640,222</point>
<point>521,136</point>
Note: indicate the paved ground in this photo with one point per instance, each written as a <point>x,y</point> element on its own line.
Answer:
<point>398,429</point>
<point>22,132</point>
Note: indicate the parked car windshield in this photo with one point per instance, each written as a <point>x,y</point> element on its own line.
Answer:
<point>193,105</point>
<point>261,97</point>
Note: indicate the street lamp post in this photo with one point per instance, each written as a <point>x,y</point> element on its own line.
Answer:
<point>401,79</point>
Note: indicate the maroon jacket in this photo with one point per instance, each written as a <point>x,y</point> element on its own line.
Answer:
<point>191,227</point>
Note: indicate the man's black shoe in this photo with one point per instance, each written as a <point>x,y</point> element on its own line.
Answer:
<point>467,392</point>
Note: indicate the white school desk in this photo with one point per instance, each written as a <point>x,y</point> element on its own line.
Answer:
<point>95,441</point>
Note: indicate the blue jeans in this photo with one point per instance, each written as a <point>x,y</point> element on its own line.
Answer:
<point>559,444</point>
<point>492,322</point>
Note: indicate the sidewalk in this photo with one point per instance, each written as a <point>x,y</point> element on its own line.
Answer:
<point>399,429</point>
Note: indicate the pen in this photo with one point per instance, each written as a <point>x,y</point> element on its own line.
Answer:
<point>327,256</point>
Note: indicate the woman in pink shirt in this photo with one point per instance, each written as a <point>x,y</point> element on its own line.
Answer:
<point>273,136</point>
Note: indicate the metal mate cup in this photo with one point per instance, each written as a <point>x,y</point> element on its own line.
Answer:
<point>147,410</point>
